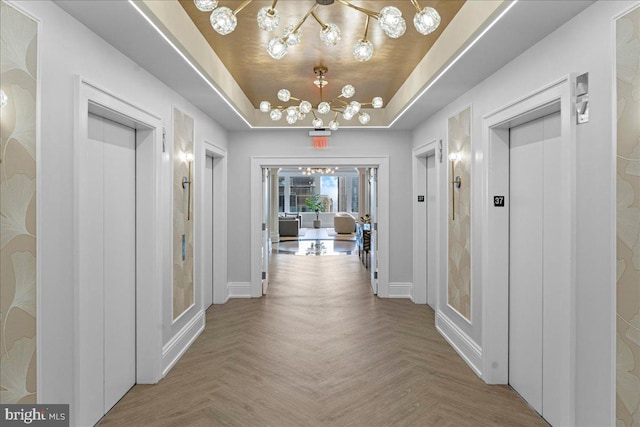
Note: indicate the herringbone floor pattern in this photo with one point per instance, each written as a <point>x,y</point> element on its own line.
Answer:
<point>320,350</point>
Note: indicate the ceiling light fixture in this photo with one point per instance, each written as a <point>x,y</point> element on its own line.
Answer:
<point>320,171</point>
<point>338,105</point>
<point>223,20</point>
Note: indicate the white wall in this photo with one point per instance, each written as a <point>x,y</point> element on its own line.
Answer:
<point>584,44</point>
<point>68,49</point>
<point>297,143</point>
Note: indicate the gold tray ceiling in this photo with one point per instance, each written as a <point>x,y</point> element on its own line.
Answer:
<point>244,53</point>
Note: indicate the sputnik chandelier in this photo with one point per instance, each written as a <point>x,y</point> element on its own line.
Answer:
<point>337,105</point>
<point>319,171</point>
<point>224,21</point>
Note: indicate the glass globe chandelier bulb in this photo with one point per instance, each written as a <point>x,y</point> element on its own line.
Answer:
<point>275,115</point>
<point>284,95</point>
<point>277,48</point>
<point>348,91</point>
<point>223,20</point>
<point>265,106</point>
<point>363,50</point>
<point>268,19</point>
<point>364,118</point>
<point>290,37</point>
<point>206,5</point>
<point>3,99</point>
<point>426,21</point>
<point>292,119</point>
<point>377,102</point>
<point>330,35</point>
<point>318,123</point>
<point>324,108</point>
<point>392,22</point>
<point>305,107</point>
<point>334,125</point>
<point>292,111</point>
<point>355,106</point>
<point>347,115</point>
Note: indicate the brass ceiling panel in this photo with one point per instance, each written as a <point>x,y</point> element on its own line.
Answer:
<point>244,51</point>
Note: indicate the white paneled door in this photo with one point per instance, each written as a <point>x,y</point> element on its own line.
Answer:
<point>533,255</point>
<point>113,167</point>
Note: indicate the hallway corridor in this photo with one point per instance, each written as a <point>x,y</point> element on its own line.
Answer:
<point>320,350</point>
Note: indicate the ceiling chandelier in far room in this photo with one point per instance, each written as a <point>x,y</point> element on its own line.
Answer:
<point>319,171</point>
<point>337,105</point>
<point>224,21</point>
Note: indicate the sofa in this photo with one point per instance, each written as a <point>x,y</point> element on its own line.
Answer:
<point>288,226</point>
<point>344,223</point>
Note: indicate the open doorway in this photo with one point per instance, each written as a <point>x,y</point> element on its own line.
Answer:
<point>351,216</point>
<point>319,211</point>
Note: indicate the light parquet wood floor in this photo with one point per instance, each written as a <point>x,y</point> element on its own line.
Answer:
<point>320,350</point>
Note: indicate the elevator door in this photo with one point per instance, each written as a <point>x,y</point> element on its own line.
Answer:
<point>112,163</point>
<point>533,257</point>
<point>207,228</point>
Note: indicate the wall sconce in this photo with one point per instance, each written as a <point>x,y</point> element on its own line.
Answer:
<point>455,183</point>
<point>186,181</point>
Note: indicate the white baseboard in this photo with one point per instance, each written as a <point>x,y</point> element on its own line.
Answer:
<point>180,343</point>
<point>401,290</point>
<point>461,342</point>
<point>238,290</point>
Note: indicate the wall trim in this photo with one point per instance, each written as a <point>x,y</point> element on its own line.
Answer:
<point>180,343</point>
<point>470,352</point>
<point>401,290</point>
<point>238,290</point>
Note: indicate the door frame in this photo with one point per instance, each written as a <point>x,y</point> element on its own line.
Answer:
<point>420,289</point>
<point>495,242</point>
<point>90,97</point>
<point>380,162</point>
<point>219,155</point>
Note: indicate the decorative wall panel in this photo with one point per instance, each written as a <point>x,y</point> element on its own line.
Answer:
<point>628,221</point>
<point>19,73</point>
<point>183,194</point>
<point>459,257</point>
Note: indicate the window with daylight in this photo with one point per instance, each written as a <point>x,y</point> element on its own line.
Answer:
<point>338,190</point>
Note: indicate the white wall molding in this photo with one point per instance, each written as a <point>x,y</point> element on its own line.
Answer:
<point>238,290</point>
<point>401,290</point>
<point>461,342</point>
<point>180,343</point>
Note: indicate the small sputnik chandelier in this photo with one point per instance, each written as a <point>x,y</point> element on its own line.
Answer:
<point>338,105</point>
<point>224,21</point>
<point>319,171</point>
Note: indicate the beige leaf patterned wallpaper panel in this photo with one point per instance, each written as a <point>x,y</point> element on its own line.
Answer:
<point>183,297</point>
<point>18,74</point>
<point>628,221</point>
<point>459,257</point>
